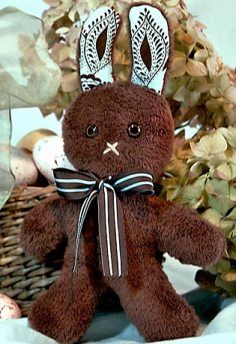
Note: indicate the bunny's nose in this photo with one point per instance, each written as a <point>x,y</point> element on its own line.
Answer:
<point>111,147</point>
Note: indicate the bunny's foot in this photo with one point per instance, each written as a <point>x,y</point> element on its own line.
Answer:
<point>155,308</point>
<point>64,312</point>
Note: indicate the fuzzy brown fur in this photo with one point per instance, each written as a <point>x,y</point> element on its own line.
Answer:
<point>153,226</point>
<point>112,108</point>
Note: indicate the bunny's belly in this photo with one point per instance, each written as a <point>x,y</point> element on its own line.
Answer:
<point>140,241</point>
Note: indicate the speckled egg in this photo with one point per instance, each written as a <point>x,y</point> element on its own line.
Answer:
<point>8,308</point>
<point>23,167</point>
<point>48,153</point>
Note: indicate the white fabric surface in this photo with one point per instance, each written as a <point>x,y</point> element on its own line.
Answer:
<point>116,328</point>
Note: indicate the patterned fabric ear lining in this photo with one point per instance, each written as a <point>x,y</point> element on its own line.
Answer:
<point>91,54</point>
<point>93,70</point>
<point>148,26</point>
<point>148,23</point>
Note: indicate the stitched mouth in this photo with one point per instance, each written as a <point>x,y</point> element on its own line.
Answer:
<point>111,148</point>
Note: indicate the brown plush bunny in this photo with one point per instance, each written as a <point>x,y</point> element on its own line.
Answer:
<point>118,136</point>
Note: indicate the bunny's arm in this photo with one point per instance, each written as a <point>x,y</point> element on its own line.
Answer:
<point>42,230</point>
<point>183,234</point>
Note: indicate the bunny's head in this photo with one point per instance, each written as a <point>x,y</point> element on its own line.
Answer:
<point>121,126</point>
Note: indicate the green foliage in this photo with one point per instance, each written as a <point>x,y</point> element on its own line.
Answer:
<point>205,179</point>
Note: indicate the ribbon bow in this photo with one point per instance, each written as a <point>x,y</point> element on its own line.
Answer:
<point>86,186</point>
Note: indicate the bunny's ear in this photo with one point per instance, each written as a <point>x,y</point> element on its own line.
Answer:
<point>150,45</point>
<point>95,47</point>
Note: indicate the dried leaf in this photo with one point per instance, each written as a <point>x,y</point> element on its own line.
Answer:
<point>216,159</point>
<point>232,193</point>
<point>178,67</point>
<point>187,38</point>
<point>224,83</point>
<point>180,94</point>
<point>73,13</point>
<point>201,55</point>
<point>212,65</point>
<point>195,68</point>
<point>230,135</point>
<point>73,35</point>
<point>192,99</point>
<point>195,170</point>
<point>231,117</point>
<point>223,171</point>
<point>70,82</point>
<point>190,194</point>
<point>230,276</point>
<point>213,143</point>
<point>214,105</point>
<point>230,94</point>
<point>226,227</point>
<point>64,53</point>
<point>217,187</point>
<point>172,194</point>
<point>62,30</point>
<point>220,203</point>
<point>171,3</point>
<point>52,3</point>
<point>200,85</point>
<point>223,265</point>
<point>213,216</point>
<point>232,215</point>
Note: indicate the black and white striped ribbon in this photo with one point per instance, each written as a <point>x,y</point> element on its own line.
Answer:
<point>86,186</point>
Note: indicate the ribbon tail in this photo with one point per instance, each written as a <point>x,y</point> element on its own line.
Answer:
<point>103,237</point>
<point>82,215</point>
<point>111,233</point>
<point>121,238</point>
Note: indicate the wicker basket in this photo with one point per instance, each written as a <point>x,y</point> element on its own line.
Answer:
<point>21,277</point>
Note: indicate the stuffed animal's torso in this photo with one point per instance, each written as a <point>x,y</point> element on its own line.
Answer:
<point>141,239</point>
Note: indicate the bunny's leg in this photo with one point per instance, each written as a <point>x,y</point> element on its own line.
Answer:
<point>65,311</point>
<point>154,307</point>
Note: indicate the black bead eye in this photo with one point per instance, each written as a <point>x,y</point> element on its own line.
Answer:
<point>92,131</point>
<point>134,130</point>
